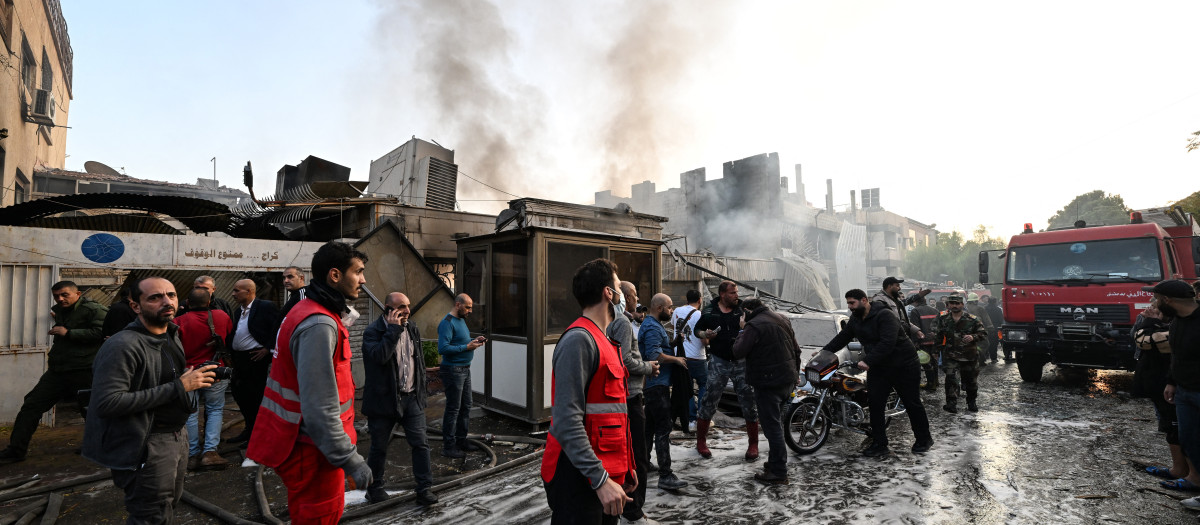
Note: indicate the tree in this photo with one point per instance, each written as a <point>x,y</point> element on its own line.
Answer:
<point>954,257</point>
<point>1094,208</point>
<point>1190,204</point>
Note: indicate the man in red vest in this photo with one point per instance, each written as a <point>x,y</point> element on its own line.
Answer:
<point>588,466</point>
<point>305,428</point>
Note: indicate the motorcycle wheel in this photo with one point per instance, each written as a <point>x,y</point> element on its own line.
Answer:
<point>800,437</point>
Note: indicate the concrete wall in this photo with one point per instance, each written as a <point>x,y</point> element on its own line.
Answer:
<point>30,145</point>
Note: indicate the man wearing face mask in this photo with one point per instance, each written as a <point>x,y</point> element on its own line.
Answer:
<point>305,428</point>
<point>959,336</point>
<point>890,360</point>
<point>1177,298</point>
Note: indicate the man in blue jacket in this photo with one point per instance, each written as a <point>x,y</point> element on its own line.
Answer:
<point>457,349</point>
<point>394,392</point>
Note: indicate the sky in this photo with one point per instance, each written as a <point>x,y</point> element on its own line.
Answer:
<point>962,113</point>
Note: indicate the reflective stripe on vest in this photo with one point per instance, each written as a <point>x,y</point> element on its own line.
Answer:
<point>277,428</point>
<point>606,417</point>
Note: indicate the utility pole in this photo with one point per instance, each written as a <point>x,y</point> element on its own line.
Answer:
<point>214,161</point>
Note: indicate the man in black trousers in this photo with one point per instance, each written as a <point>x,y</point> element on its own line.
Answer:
<point>256,322</point>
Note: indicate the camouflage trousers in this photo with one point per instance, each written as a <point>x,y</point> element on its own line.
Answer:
<point>720,372</point>
<point>961,375</point>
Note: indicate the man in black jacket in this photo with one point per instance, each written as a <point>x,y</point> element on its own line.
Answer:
<point>120,314</point>
<point>394,392</point>
<point>293,282</point>
<point>768,345</point>
<point>141,398</point>
<point>891,363</point>
<point>256,321</point>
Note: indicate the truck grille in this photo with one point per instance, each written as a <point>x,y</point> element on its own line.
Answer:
<point>1095,313</point>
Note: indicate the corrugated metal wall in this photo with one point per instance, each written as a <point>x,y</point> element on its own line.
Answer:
<point>25,323</point>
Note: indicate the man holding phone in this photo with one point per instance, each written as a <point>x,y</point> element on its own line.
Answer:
<point>458,350</point>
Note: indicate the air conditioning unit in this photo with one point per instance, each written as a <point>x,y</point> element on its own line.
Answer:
<point>43,104</point>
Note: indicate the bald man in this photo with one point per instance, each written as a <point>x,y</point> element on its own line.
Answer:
<point>255,324</point>
<point>656,346</point>
<point>457,348</point>
<point>394,392</point>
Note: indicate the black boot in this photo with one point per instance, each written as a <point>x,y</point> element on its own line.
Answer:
<point>971,404</point>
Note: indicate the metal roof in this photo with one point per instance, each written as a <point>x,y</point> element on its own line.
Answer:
<point>109,222</point>
<point>199,215</point>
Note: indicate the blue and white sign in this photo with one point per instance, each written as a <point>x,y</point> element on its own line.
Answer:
<point>102,248</point>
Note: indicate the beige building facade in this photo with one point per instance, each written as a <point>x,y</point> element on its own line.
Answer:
<point>35,97</point>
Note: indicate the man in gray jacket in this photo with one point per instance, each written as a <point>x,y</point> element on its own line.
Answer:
<point>142,395</point>
<point>621,331</point>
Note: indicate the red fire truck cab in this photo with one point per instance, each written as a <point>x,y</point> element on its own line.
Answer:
<point>1071,296</point>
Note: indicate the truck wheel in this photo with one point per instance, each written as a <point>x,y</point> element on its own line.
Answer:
<point>1030,367</point>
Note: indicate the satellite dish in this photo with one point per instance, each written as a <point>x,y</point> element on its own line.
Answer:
<point>99,168</point>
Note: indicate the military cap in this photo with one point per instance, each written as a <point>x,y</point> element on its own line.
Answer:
<point>954,299</point>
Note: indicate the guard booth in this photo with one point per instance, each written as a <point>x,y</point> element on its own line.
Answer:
<point>520,281</point>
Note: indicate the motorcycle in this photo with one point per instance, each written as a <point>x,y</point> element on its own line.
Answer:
<point>830,397</point>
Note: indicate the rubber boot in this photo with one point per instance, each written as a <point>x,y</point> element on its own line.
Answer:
<point>971,403</point>
<point>752,435</point>
<point>702,437</point>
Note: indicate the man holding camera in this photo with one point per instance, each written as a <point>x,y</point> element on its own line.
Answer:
<point>141,397</point>
<point>394,392</point>
<point>203,332</point>
<point>305,429</point>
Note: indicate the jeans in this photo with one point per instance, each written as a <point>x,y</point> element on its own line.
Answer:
<point>906,380</point>
<point>213,398</point>
<point>658,426</point>
<point>770,404</point>
<point>412,418</point>
<point>457,380</point>
<point>635,406</point>
<point>698,369</point>
<point>720,371</point>
<point>1187,411</point>
<point>153,491</point>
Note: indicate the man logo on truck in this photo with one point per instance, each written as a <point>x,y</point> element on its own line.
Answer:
<point>1069,310</point>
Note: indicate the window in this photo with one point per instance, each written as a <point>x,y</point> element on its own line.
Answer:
<point>20,186</point>
<point>637,268</point>
<point>54,186</point>
<point>510,288</point>
<point>28,68</point>
<point>6,16</point>
<point>562,260</point>
<point>1108,260</point>
<point>47,71</point>
<point>473,272</point>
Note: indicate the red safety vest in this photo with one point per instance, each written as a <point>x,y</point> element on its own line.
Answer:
<point>605,417</point>
<point>277,428</point>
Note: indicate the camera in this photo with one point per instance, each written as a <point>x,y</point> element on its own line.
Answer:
<point>221,372</point>
<point>641,309</point>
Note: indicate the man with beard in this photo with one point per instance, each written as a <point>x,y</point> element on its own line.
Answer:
<point>959,336</point>
<point>586,482</point>
<point>78,325</point>
<point>293,282</point>
<point>141,399</point>
<point>891,363</point>
<point>255,323</point>
<point>895,301</point>
<point>1177,298</point>
<point>204,332</point>
<point>719,324</point>
<point>1151,331</point>
<point>768,345</point>
<point>305,427</point>
<point>620,330</point>
<point>654,345</point>
<point>394,365</point>
<point>458,350</point>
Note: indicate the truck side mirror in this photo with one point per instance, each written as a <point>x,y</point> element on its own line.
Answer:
<point>983,267</point>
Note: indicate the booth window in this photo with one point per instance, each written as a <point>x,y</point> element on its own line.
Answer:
<point>562,260</point>
<point>637,268</point>
<point>474,268</point>
<point>510,288</point>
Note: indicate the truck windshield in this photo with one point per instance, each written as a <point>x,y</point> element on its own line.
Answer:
<point>1115,260</point>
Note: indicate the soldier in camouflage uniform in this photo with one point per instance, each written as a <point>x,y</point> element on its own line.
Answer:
<point>958,337</point>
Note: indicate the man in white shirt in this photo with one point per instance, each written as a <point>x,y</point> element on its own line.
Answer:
<point>684,322</point>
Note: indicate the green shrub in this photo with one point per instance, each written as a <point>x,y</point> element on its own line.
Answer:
<point>431,353</point>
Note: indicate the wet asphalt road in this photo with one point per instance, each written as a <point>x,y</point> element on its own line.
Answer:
<point>1059,451</point>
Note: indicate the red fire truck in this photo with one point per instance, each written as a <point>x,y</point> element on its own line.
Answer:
<point>1071,295</point>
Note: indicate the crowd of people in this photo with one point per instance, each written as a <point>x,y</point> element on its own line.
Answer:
<point>623,375</point>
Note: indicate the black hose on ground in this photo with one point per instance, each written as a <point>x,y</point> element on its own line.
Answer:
<point>19,513</point>
<point>491,453</point>
<point>28,518</point>
<point>372,508</point>
<point>493,437</point>
<point>264,506</point>
<point>92,478</point>
<point>20,482</point>
<point>220,513</point>
<point>53,507</point>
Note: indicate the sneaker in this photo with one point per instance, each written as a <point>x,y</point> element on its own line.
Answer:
<point>922,446</point>
<point>426,497</point>
<point>770,479</point>
<point>875,451</point>
<point>376,494</point>
<point>692,427</point>
<point>644,520</point>
<point>671,482</point>
<point>953,409</point>
<point>1192,503</point>
<point>213,461</point>
<point>452,452</point>
<point>194,462</point>
<point>11,455</point>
